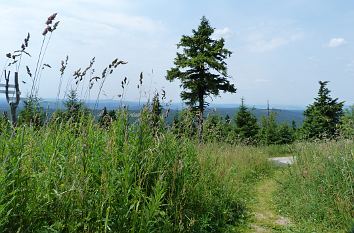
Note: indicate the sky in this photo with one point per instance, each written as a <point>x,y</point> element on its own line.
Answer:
<point>281,49</point>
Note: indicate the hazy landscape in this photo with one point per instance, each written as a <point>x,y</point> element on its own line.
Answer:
<point>175,134</point>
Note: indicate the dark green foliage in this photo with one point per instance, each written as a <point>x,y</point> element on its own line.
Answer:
<point>201,68</point>
<point>107,117</point>
<point>322,118</point>
<point>75,110</point>
<point>32,114</point>
<point>215,129</point>
<point>271,133</point>
<point>347,123</point>
<point>246,124</point>
<point>286,134</point>
<point>73,105</point>
<point>227,119</point>
<point>184,124</point>
<point>156,110</point>
<point>268,133</point>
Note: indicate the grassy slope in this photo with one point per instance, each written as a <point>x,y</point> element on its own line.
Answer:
<point>91,179</point>
<point>317,192</point>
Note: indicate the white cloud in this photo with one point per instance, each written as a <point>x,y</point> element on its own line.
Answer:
<point>261,43</point>
<point>268,36</point>
<point>336,42</point>
<point>222,33</point>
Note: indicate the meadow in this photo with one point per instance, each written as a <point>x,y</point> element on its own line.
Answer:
<point>79,177</point>
<point>74,171</point>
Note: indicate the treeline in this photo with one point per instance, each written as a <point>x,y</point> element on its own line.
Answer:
<point>324,119</point>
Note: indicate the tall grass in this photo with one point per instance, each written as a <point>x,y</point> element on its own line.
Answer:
<point>238,168</point>
<point>78,177</point>
<point>318,190</point>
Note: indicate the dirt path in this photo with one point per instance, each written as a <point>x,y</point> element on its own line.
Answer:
<point>264,215</point>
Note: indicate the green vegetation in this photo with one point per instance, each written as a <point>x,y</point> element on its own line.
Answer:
<point>33,113</point>
<point>246,124</point>
<point>317,191</point>
<point>201,69</point>
<point>72,172</point>
<point>347,124</point>
<point>81,178</point>
<point>323,116</point>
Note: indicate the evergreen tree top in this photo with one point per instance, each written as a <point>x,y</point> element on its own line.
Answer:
<point>323,116</point>
<point>200,65</point>
<point>324,103</point>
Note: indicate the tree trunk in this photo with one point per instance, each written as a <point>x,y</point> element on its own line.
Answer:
<point>200,118</point>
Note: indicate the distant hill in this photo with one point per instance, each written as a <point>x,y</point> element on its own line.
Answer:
<point>283,115</point>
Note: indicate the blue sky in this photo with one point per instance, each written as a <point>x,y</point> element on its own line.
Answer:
<point>281,49</point>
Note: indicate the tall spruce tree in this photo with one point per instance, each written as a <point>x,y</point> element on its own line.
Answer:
<point>201,68</point>
<point>322,118</point>
<point>246,123</point>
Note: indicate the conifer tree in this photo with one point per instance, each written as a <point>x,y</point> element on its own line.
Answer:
<point>74,107</point>
<point>156,111</point>
<point>246,123</point>
<point>286,134</point>
<point>322,118</point>
<point>201,68</point>
<point>32,113</point>
<point>268,133</point>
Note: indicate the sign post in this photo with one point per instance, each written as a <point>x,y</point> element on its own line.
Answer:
<point>11,90</point>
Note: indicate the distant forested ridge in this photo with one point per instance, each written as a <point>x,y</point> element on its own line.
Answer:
<point>283,115</point>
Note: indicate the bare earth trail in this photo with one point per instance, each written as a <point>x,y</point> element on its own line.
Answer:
<point>265,217</point>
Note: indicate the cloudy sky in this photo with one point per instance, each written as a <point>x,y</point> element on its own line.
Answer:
<point>281,49</point>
